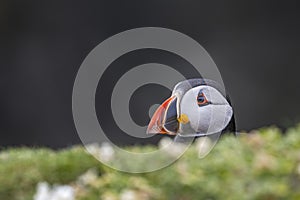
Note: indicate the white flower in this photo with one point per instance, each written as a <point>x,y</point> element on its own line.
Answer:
<point>106,152</point>
<point>128,195</point>
<point>171,148</point>
<point>43,192</point>
<point>63,192</point>
<point>164,142</point>
<point>88,177</point>
<point>93,149</point>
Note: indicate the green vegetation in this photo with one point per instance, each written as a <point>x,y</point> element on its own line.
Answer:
<point>262,165</point>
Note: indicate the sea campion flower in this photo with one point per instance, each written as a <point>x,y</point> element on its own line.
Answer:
<point>128,195</point>
<point>93,149</point>
<point>88,177</point>
<point>171,148</point>
<point>62,192</point>
<point>164,142</point>
<point>106,152</point>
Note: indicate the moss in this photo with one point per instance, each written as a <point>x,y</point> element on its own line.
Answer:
<point>22,168</point>
<point>262,165</point>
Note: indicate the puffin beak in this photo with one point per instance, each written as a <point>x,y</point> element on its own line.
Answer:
<point>164,120</point>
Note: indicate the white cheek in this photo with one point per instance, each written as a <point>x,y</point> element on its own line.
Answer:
<point>189,107</point>
<point>220,116</point>
<point>210,118</point>
<point>201,119</point>
<point>205,119</point>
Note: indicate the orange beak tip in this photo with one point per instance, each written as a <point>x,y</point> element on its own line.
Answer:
<point>156,123</point>
<point>155,129</point>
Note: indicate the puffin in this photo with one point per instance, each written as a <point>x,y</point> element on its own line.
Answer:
<point>196,108</point>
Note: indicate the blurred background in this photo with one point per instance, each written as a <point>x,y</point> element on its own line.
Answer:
<point>255,45</point>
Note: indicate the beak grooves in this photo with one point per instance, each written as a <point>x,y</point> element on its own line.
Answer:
<point>164,120</point>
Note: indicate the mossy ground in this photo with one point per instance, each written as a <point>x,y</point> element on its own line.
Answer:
<point>262,165</point>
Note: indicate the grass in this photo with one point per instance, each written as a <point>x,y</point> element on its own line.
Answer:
<point>264,164</point>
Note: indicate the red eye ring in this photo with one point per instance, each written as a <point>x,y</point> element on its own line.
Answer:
<point>201,100</point>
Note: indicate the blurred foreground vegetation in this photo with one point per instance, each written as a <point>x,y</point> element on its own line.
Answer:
<point>264,164</point>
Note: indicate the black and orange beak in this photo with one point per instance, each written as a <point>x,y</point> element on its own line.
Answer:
<point>164,120</point>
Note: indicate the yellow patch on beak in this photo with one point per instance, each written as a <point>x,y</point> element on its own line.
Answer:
<point>183,119</point>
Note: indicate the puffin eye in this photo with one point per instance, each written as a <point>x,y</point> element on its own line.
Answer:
<point>201,99</point>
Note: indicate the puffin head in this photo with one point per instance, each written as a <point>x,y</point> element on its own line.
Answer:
<point>196,108</point>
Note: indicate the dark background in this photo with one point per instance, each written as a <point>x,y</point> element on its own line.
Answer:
<point>255,45</point>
